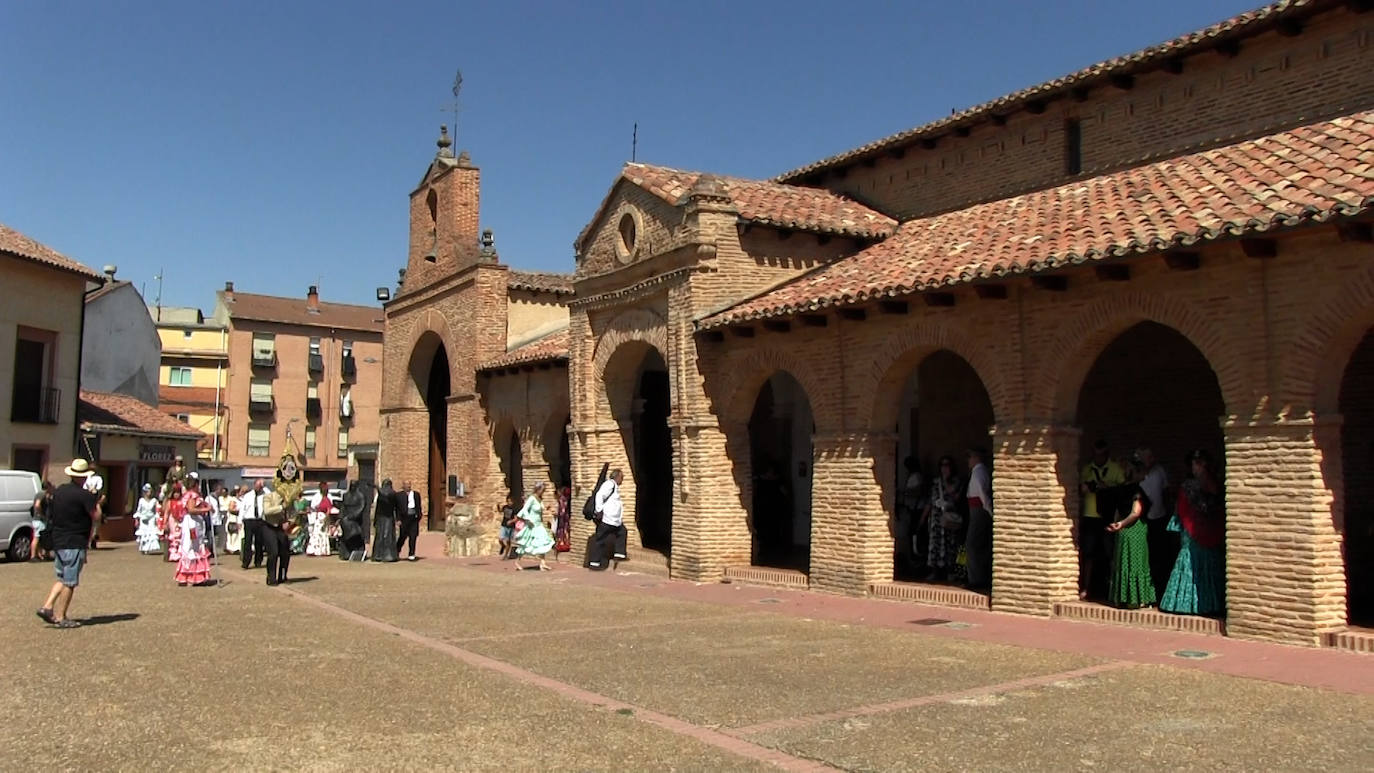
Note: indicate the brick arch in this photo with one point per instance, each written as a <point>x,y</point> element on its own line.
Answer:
<point>631,326</point>
<point>1053,392</point>
<point>1315,363</point>
<point>746,374</point>
<point>428,322</point>
<point>904,350</point>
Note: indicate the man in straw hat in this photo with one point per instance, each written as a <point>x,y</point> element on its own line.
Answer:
<point>72,519</point>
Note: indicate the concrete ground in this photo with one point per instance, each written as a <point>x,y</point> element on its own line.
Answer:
<point>466,665</point>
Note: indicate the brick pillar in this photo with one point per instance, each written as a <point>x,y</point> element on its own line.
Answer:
<point>848,522</point>
<point>710,522</point>
<point>1035,503</point>
<point>1285,580</point>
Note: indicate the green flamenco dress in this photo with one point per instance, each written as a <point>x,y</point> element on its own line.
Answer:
<point>1131,586</point>
<point>1197,585</point>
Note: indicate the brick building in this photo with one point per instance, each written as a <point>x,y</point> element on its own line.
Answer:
<point>194,374</point>
<point>304,366</point>
<point>1173,248</point>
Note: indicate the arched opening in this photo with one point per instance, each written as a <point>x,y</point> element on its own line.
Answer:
<point>652,455</point>
<point>1149,390</point>
<point>1356,404</point>
<point>781,453</point>
<point>943,411</point>
<point>558,453</point>
<point>429,368</point>
<point>512,463</point>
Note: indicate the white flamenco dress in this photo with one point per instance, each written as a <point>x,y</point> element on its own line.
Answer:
<point>148,535</point>
<point>319,534</point>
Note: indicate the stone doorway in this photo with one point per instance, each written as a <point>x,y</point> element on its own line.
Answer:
<point>1356,406</point>
<point>430,370</point>
<point>1149,388</point>
<point>513,462</point>
<point>944,411</point>
<point>653,455</point>
<point>781,452</point>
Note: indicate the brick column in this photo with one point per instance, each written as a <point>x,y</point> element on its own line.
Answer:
<point>1035,502</point>
<point>848,523</point>
<point>710,522</point>
<point>1285,580</point>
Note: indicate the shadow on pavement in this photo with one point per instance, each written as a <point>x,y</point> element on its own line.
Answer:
<point>104,619</point>
<point>294,580</point>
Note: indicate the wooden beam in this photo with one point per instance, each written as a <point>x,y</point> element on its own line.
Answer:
<point>961,131</point>
<point>1056,284</point>
<point>870,162</point>
<point>998,120</point>
<point>1036,106</point>
<point>897,152</point>
<point>784,234</point>
<point>1229,48</point>
<point>1113,272</point>
<point>715,336</point>
<point>777,325</point>
<point>939,299</point>
<point>1289,28</point>
<point>894,307</point>
<point>991,292</point>
<point>1173,66</point>
<point>853,314</point>
<point>1355,232</point>
<point>929,143</point>
<point>1123,81</point>
<point>1259,248</point>
<point>813,320</point>
<point>1182,260</point>
<point>1081,93</point>
<point>743,331</point>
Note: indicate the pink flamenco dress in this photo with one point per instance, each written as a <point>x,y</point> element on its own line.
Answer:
<point>175,512</point>
<point>193,566</point>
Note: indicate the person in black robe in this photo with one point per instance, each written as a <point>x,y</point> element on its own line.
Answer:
<point>351,523</point>
<point>384,524</point>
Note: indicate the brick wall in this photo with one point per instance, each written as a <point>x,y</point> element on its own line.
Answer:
<point>1273,82</point>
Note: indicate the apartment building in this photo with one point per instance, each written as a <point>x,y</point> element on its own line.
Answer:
<point>194,373</point>
<point>302,369</point>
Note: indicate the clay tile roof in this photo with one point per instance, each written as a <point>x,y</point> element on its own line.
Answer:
<point>20,246</point>
<point>759,201</point>
<point>540,282</point>
<point>1312,173</point>
<point>130,416</point>
<point>1238,27</point>
<point>551,348</point>
<point>292,311</point>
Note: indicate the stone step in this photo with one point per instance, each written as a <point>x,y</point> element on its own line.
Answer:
<point>1140,618</point>
<point>930,593</point>
<point>1351,639</point>
<point>768,576</point>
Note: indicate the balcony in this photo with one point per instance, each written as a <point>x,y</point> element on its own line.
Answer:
<point>36,405</point>
<point>264,358</point>
<point>261,403</point>
<point>312,408</point>
<point>316,363</point>
<point>348,367</point>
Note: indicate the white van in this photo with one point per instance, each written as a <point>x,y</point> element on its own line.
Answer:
<point>18,489</point>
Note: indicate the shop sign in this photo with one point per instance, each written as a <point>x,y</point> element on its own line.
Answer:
<point>149,453</point>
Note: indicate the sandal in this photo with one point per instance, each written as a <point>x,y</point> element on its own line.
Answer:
<point>67,623</point>
<point>46,614</point>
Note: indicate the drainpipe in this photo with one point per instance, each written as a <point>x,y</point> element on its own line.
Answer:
<point>80,344</point>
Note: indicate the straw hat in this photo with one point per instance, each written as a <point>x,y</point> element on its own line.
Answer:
<point>79,468</point>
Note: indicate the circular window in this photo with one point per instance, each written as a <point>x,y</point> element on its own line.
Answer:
<point>628,231</point>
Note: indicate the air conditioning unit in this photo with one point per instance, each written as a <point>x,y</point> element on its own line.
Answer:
<point>346,406</point>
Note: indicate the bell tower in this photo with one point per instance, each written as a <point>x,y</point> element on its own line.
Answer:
<point>444,216</point>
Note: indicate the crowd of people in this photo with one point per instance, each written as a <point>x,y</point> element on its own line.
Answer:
<point>943,523</point>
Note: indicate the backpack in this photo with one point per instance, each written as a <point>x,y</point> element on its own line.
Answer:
<point>589,507</point>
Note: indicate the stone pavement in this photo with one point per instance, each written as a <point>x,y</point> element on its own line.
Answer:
<point>466,665</point>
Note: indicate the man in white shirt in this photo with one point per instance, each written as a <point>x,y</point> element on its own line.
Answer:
<point>610,522</point>
<point>1163,544</point>
<point>410,511</point>
<point>250,509</point>
<point>978,543</point>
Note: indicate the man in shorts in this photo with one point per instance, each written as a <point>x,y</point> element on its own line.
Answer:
<point>72,519</point>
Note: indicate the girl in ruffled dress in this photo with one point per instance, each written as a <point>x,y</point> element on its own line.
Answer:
<point>532,537</point>
<point>174,512</point>
<point>148,534</point>
<point>193,566</point>
<point>319,533</point>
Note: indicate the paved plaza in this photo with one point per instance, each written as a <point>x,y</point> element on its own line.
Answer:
<point>466,665</point>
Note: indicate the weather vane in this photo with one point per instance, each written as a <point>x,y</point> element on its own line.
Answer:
<point>457,87</point>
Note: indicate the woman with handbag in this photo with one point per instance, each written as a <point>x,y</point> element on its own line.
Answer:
<point>531,537</point>
<point>945,522</point>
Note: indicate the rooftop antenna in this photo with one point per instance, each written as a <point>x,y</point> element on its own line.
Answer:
<point>634,142</point>
<point>158,302</point>
<point>457,87</point>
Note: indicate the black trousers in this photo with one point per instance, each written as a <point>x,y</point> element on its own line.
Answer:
<point>278,552</point>
<point>410,531</point>
<point>604,540</point>
<point>253,540</point>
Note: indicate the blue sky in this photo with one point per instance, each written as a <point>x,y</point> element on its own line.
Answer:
<point>274,143</point>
